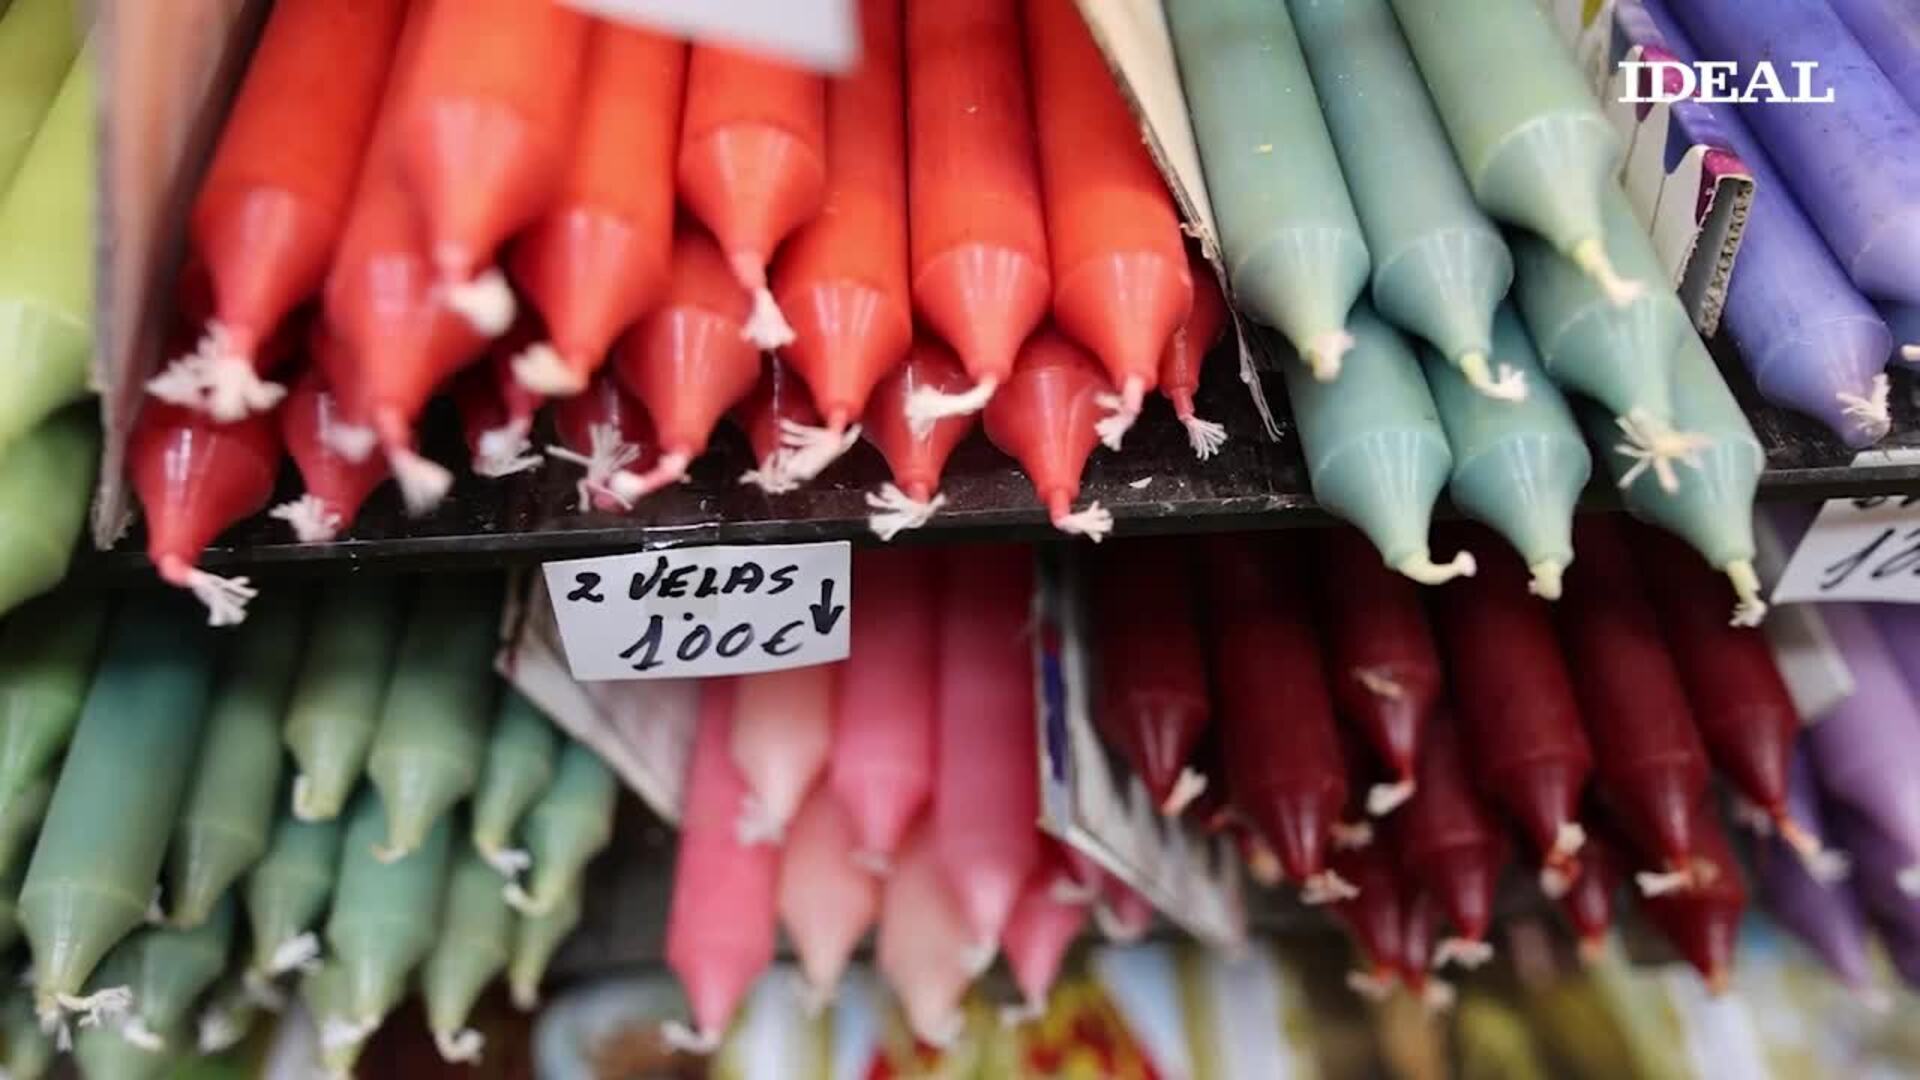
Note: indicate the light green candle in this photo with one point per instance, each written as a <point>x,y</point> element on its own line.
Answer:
<point>1296,258</point>
<point>1376,453</point>
<point>46,262</point>
<point>287,892</point>
<point>326,992</point>
<point>432,737</point>
<point>38,41</point>
<point>231,1010</point>
<point>28,1048</point>
<point>1518,466</point>
<point>385,914</point>
<point>20,818</point>
<point>535,940</point>
<point>1440,266</point>
<point>9,906</point>
<point>47,653</point>
<point>1530,136</point>
<point>46,483</point>
<point>174,968</point>
<point>520,752</point>
<point>222,830</point>
<point>337,695</point>
<point>92,876</point>
<point>475,937</point>
<point>1713,510</point>
<point>572,822</point>
<point>105,1053</point>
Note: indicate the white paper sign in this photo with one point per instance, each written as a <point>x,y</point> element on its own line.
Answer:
<point>821,34</point>
<point>703,611</point>
<point>1858,549</point>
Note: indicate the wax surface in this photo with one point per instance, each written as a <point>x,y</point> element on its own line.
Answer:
<point>827,901</point>
<point>782,731</point>
<point>1154,697</point>
<point>1448,842</point>
<point>1862,753</point>
<point>914,457</point>
<point>1047,418</point>
<point>1890,32</point>
<point>1825,914</point>
<point>337,486</point>
<point>45,481</point>
<point>38,40</point>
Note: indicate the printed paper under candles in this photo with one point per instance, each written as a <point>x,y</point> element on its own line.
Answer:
<point>1904,321</point>
<point>470,951</point>
<point>1809,899</point>
<point>1186,354</point>
<point>496,410</point>
<point>1121,285</point>
<point>1516,706</point>
<point>1450,845</point>
<point>38,40</point>
<point>336,698</point>
<point>1713,509</point>
<point>604,431</point>
<point>781,734</point>
<point>287,892</point>
<point>1284,767</point>
<point>1440,266</point>
<point>1050,915</point>
<point>1518,466</point>
<point>1154,700</point>
<point>483,135</point>
<point>881,767</point>
<point>1864,752</point>
<point>596,260</point>
<point>826,899</point>
<point>46,261</point>
<point>1374,916</point>
<point>195,478</point>
<point>337,486</point>
<point>1047,418</point>
<point>1588,903</point>
<point>1869,216</point>
<point>925,949</point>
<point>686,362</point>
<point>1375,450</point>
<point>385,913</point>
<point>753,165</point>
<point>519,767</point>
<point>986,791</point>
<point>1296,259</point>
<point>1385,666</point>
<point>46,479</point>
<point>570,824</point>
<point>274,200</point>
<point>1703,922</point>
<point>981,279</point>
<point>842,279</point>
<point>47,654</point>
<point>778,405</point>
<point>915,455</point>
<point>1527,131</point>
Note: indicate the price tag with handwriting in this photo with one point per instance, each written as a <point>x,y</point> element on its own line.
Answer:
<point>1858,549</point>
<point>703,611</point>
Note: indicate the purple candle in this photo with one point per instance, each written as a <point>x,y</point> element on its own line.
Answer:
<point>1854,161</point>
<point>1890,32</point>
<point>1811,341</point>
<point>1806,896</point>
<point>1899,626</point>
<point>1877,880</point>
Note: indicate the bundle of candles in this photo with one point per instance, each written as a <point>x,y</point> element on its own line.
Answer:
<point>168,885</point>
<point>49,441</point>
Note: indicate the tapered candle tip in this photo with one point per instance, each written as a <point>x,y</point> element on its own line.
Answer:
<point>1749,609</point>
<point>540,368</point>
<point>1327,352</point>
<point>1384,799</point>
<point>1422,569</point>
<point>486,302</point>
<point>1591,257</point>
<point>1510,384</point>
<point>1548,576</point>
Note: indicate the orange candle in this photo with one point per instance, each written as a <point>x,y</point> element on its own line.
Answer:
<point>484,136</point>
<point>596,261</point>
<point>336,486</point>
<point>980,275</point>
<point>843,279</point>
<point>606,432</point>
<point>1187,352</point>
<point>915,454</point>
<point>753,165</point>
<point>1046,418</point>
<point>274,200</point>
<point>688,362</point>
<point>194,478</point>
<point>1120,280</point>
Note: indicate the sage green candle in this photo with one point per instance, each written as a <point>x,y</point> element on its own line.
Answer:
<point>106,1053</point>
<point>519,766</point>
<point>476,934</point>
<point>1528,133</point>
<point>328,998</point>
<point>46,262</point>
<point>1713,510</point>
<point>386,913</point>
<point>1440,266</point>
<point>337,694</point>
<point>572,822</point>
<point>10,905</point>
<point>175,967</point>
<point>28,1048</point>
<point>432,737</point>
<point>1518,466</point>
<point>47,653</point>
<point>46,483</point>
<point>231,1010</point>
<point>38,41</point>
<point>1296,258</point>
<point>535,940</point>
<point>20,818</point>
<point>222,830</point>
<point>91,879</point>
<point>287,893</point>
<point>1376,453</point>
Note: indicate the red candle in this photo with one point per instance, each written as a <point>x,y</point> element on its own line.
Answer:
<point>1451,846</point>
<point>1120,280</point>
<point>194,478</point>
<point>916,454</point>
<point>1046,417</point>
<point>1186,354</point>
<point>1650,765</point>
<point>1374,916</point>
<point>484,137</point>
<point>842,280</point>
<point>596,259</point>
<point>1123,914</point>
<point>1284,767</point>
<point>1527,750</point>
<point>605,432</point>
<point>1703,921</point>
<point>1588,902</point>
<point>1050,914</point>
<point>778,406</point>
<point>1417,948</point>
<point>1385,666</point>
<point>978,226</point>
<point>497,410</point>
<point>687,362</point>
<point>1154,700</point>
<point>753,165</point>
<point>336,486</point>
<point>275,197</point>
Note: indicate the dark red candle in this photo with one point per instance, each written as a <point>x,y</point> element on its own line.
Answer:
<point>1153,670</point>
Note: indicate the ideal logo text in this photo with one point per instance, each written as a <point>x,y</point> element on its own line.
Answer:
<point>1650,82</point>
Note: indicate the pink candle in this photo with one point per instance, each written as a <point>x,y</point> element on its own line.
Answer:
<point>925,949</point>
<point>782,727</point>
<point>826,901</point>
<point>1051,911</point>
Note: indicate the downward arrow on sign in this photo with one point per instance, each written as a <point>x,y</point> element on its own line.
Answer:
<point>826,613</point>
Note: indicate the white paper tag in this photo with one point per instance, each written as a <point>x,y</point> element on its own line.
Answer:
<point>703,611</point>
<point>1860,549</point>
<point>821,34</point>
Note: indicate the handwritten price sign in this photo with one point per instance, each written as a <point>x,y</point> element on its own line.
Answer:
<point>702,611</point>
<point>1858,549</point>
